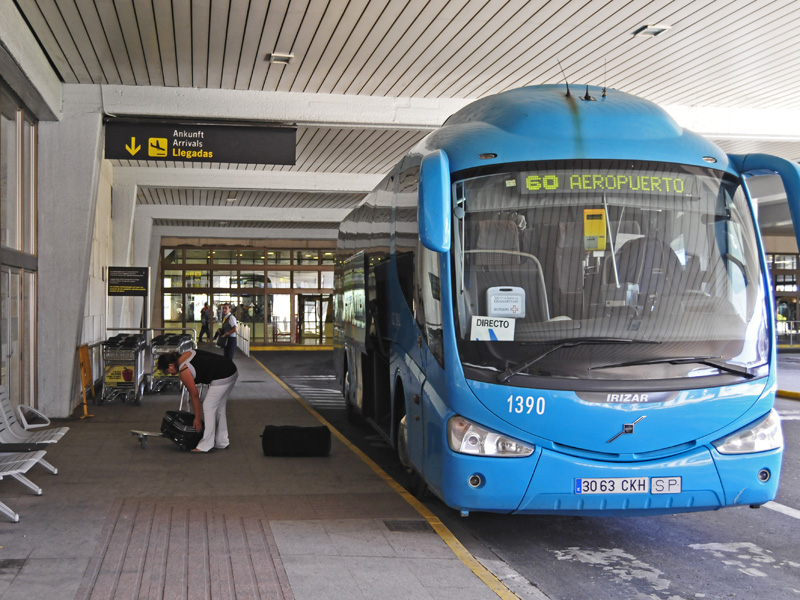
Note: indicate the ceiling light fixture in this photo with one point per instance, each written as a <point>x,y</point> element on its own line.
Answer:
<point>652,30</point>
<point>231,199</point>
<point>279,58</point>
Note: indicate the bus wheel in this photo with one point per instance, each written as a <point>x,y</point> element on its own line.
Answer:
<point>349,410</point>
<point>414,482</point>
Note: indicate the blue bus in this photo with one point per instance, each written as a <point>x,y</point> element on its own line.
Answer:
<point>559,303</point>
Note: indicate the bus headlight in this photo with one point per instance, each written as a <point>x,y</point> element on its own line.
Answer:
<point>765,434</point>
<point>468,438</point>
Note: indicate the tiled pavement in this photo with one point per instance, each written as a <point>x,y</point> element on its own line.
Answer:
<point>122,521</point>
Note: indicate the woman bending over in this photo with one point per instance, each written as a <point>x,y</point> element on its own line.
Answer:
<point>219,373</point>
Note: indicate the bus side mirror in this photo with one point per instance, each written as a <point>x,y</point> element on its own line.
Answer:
<point>433,210</point>
<point>789,173</point>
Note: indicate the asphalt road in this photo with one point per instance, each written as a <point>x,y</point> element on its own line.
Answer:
<point>731,553</point>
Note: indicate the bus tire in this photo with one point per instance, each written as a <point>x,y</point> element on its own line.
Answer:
<point>414,482</point>
<point>349,410</point>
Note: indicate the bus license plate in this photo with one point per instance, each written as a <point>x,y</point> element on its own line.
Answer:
<point>628,485</point>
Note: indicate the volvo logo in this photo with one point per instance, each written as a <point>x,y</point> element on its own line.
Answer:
<point>626,428</point>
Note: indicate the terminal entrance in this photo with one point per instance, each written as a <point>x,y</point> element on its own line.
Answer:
<point>315,319</point>
<point>283,295</point>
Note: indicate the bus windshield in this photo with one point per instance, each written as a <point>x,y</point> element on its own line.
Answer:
<point>606,270</point>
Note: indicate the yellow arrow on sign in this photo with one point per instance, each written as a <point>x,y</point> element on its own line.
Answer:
<point>133,148</point>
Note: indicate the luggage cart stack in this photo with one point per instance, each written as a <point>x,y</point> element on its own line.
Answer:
<point>167,342</point>
<point>123,378</point>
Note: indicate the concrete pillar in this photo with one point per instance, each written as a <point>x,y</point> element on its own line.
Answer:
<point>70,154</point>
<point>123,206</point>
<point>145,256</point>
<point>154,262</point>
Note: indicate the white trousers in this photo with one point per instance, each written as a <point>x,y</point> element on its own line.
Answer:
<point>215,420</point>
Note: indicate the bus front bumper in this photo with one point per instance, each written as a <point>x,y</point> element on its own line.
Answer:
<point>701,479</point>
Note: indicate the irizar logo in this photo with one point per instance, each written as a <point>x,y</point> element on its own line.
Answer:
<point>626,398</point>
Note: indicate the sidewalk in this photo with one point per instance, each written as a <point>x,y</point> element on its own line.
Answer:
<point>789,376</point>
<point>120,521</point>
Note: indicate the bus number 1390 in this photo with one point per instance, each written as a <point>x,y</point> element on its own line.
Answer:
<point>519,405</point>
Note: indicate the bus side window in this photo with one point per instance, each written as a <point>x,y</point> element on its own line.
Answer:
<point>429,301</point>
<point>404,236</point>
<point>405,274</point>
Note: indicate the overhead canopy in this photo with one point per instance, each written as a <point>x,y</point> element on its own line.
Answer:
<point>364,81</point>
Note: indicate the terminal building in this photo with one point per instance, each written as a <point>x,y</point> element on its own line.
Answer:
<point>123,143</point>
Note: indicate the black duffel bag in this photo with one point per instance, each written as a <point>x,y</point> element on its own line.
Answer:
<point>292,440</point>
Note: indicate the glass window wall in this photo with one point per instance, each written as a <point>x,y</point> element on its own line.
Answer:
<point>224,257</point>
<point>197,257</point>
<point>251,279</point>
<point>28,187</point>
<point>173,279</point>
<point>306,257</point>
<point>197,279</point>
<point>784,273</point>
<point>251,257</point>
<point>10,221</point>
<point>306,279</point>
<point>18,206</point>
<point>247,279</point>
<point>226,279</point>
<point>279,279</point>
<point>172,256</point>
<point>279,257</point>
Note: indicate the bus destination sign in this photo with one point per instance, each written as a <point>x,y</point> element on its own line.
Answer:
<point>629,182</point>
<point>139,139</point>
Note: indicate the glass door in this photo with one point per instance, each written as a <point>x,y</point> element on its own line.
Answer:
<point>9,330</point>
<point>279,319</point>
<point>315,319</point>
<point>309,319</point>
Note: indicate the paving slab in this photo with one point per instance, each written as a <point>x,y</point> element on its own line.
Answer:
<point>122,521</point>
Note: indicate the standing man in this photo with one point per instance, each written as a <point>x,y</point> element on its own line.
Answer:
<point>229,327</point>
<point>205,322</point>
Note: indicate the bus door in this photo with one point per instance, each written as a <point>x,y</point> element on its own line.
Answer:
<point>428,315</point>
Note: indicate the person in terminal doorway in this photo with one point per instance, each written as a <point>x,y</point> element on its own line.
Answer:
<point>228,331</point>
<point>220,374</point>
<point>205,322</point>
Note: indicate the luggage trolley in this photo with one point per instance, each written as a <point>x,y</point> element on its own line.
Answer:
<point>167,342</point>
<point>123,360</point>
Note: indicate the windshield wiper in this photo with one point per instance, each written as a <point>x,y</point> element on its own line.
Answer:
<point>567,343</point>
<point>710,361</point>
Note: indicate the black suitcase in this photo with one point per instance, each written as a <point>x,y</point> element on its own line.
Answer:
<point>178,425</point>
<point>291,440</point>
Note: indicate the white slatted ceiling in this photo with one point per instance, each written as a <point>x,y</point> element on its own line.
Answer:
<point>244,198</point>
<point>731,53</point>
<point>328,227</point>
<point>718,52</point>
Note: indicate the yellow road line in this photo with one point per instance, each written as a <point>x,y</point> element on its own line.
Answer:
<point>298,348</point>
<point>457,547</point>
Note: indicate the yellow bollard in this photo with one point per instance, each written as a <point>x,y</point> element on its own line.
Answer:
<point>86,376</point>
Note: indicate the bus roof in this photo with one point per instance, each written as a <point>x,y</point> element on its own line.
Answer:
<point>543,123</point>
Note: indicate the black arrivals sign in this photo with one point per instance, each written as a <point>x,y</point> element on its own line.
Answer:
<point>139,139</point>
<point>128,281</point>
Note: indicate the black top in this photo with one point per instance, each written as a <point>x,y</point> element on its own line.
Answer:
<point>206,367</point>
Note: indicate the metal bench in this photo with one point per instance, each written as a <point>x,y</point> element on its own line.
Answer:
<point>16,465</point>
<point>17,430</point>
